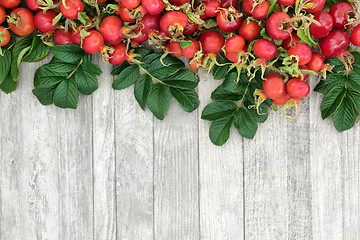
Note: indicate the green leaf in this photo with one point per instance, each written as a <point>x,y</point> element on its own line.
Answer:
<point>119,68</point>
<point>83,18</point>
<point>187,98</point>
<point>151,57</point>
<point>354,81</point>
<point>45,94</point>
<point>231,85</point>
<point>87,82</point>
<point>142,89</point>
<point>260,118</point>
<point>332,101</point>
<point>56,65</point>
<point>218,110</point>
<point>184,79</point>
<point>220,131</point>
<point>272,7</point>
<point>221,72</point>
<point>91,67</point>
<point>45,77</point>
<point>324,86</point>
<point>221,94</point>
<point>355,98</point>
<point>66,94</point>
<point>264,34</point>
<point>245,124</point>
<point>68,53</point>
<point>159,100</point>
<point>127,77</point>
<point>143,52</point>
<point>19,51</point>
<point>8,85</point>
<point>344,116</point>
<point>38,51</point>
<point>5,64</point>
<point>165,68</point>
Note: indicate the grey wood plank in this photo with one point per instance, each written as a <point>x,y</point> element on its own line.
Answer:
<point>334,177</point>
<point>176,200</point>
<point>221,177</point>
<point>104,165</point>
<point>46,162</point>
<point>134,167</point>
<point>277,183</point>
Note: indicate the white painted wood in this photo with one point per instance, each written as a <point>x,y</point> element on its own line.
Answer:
<point>176,199</point>
<point>221,177</point>
<point>134,167</point>
<point>104,163</point>
<point>46,165</point>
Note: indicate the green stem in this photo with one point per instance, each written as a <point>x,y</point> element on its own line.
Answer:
<point>242,99</point>
<point>146,71</point>
<point>72,73</point>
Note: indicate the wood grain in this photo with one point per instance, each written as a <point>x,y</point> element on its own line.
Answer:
<point>104,161</point>
<point>46,164</point>
<point>134,167</point>
<point>176,199</point>
<point>221,177</point>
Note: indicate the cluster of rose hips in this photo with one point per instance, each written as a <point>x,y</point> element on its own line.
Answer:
<point>200,30</point>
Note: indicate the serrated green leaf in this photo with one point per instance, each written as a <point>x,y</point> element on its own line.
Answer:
<point>8,85</point>
<point>60,67</point>
<point>143,52</point>
<point>354,81</point>
<point>159,100</point>
<point>45,77</point>
<point>184,79</point>
<point>245,124</point>
<point>218,110</point>
<point>86,82</point>
<point>38,51</point>
<point>45,94</point>
<point>344,116</point>
<point>262,116</point>
<point>151,57</point>
<point>5,64</point>
<point>264,34</point>
<point>127,77</point>
<point>221,94</point>
<point>91,67</point>
<point>221,72</point>
<point>355,98</point>
<point>66,94</point>
<point>68,53</point>
<point>332,80</point>
<point>332,101</point>
<point>164,68</point>
<point>187,98</point>
<point>142,89</point>
<point>119,68</point>
<point>231,85</point>
<point>19,51</point>
<point>219,131</point>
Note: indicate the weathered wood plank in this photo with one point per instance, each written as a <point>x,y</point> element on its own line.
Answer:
<point>134,167</point>
<point>221,177</point>
<point>46,162</point>
<point>176,206</point>
<point>104,156</point>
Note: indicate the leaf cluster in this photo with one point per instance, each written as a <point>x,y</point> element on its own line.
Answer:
<point>156,78</point>
<point>234,104</point>
<point>342,94</point>
<point>69,72</point>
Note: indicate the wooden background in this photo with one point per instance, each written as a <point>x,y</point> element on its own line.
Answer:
<point>108,170</point>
